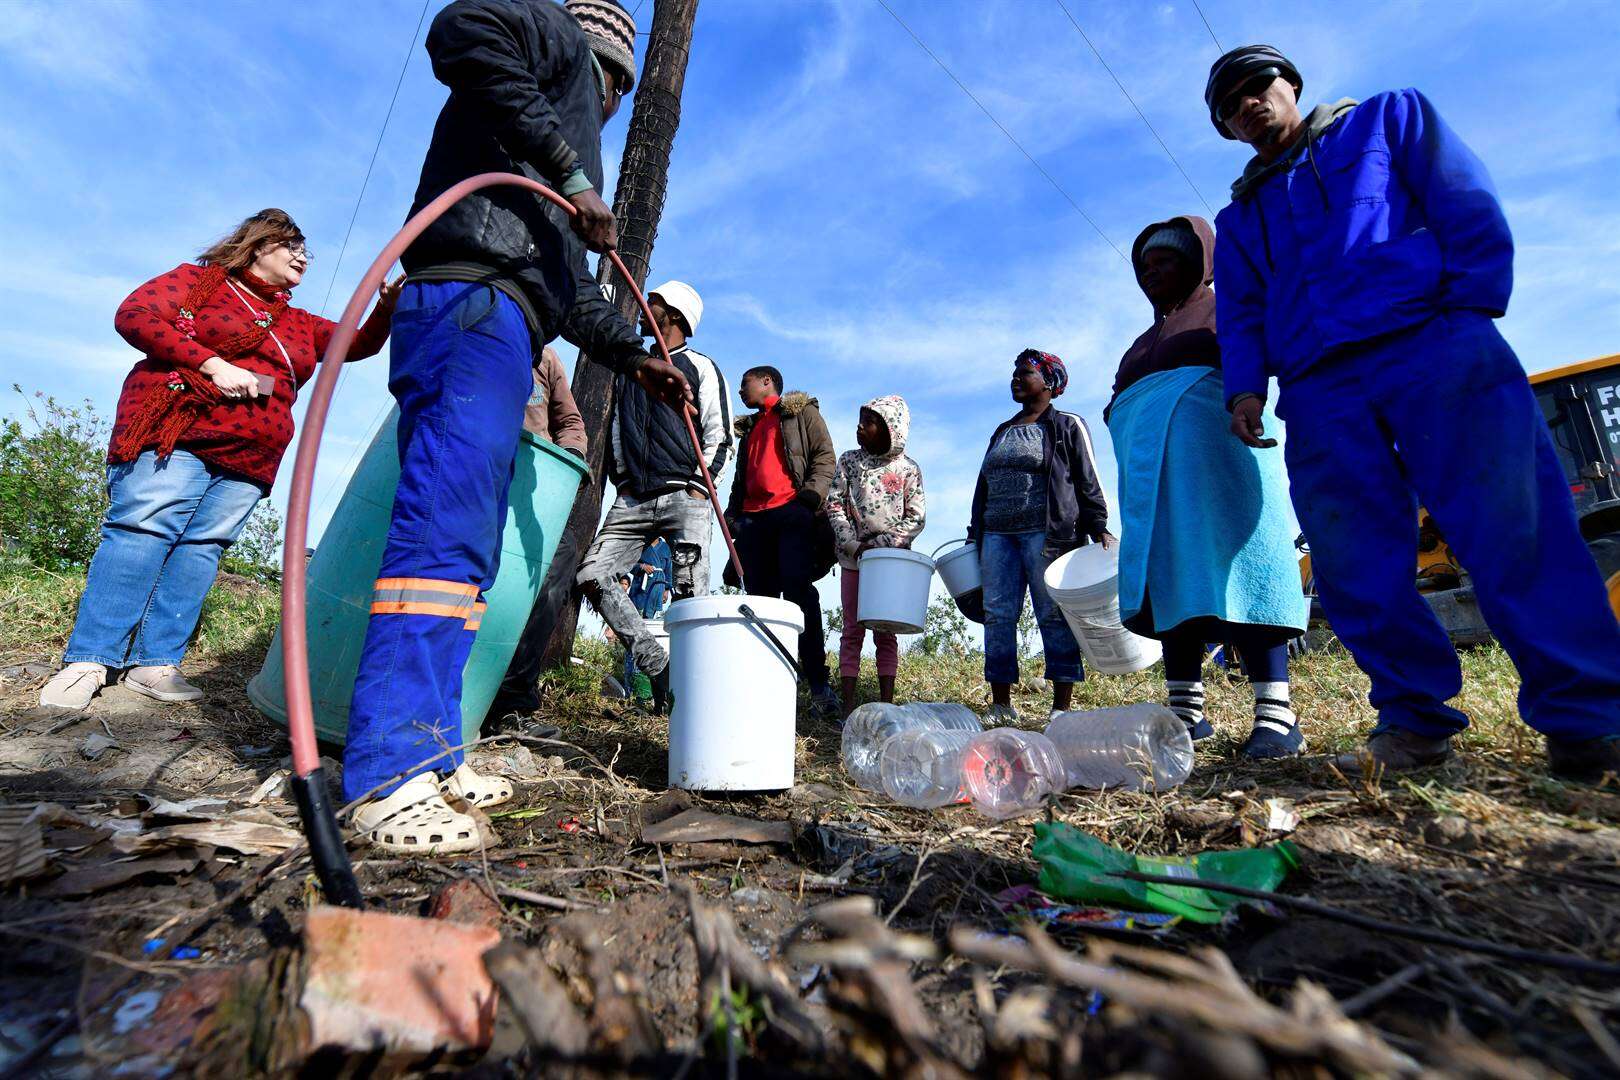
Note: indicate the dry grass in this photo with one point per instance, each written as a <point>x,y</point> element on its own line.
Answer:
<point>1489,847</point>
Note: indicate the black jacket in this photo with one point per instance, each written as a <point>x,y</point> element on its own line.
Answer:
<point>523,99</point>
<point>1076,509</point>
<point>650,451</point>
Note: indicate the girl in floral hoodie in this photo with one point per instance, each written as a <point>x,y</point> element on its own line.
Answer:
<point>876,501</point>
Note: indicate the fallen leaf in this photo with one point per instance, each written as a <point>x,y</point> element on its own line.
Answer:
<point>248,837</point>
<point>696,826</point>
<point>93,879</point>
<point>96,744</point>
<point>22,845</point>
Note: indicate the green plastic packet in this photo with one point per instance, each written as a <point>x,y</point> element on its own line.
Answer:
<point>1076,866</point>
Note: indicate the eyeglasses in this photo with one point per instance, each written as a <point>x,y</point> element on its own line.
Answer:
<point>1253,86</point>
<point>298,250</point>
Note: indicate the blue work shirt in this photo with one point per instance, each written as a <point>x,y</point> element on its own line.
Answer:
<point>1382,221</point>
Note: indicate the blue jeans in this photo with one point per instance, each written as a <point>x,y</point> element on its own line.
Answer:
<point>1010,563</point>
<point>1443,414</point>
<point>460,369</point>
<point>169,522</point>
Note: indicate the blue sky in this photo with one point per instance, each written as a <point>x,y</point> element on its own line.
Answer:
<point>847,213</point>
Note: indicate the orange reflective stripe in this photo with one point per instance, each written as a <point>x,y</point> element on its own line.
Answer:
<point>454,588</point>
<point>476,619</point>
<point>418,607</point>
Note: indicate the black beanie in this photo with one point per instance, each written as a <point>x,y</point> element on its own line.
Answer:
<point>1229,72</point>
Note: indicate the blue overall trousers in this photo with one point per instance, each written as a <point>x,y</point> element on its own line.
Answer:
<point>1442,414</point>
<point>460,368</point>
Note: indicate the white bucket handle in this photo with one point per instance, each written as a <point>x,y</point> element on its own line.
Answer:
<point>948,543</point>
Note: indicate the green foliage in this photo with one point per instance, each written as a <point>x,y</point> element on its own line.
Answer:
<point>742,1027</point>
<point>946,631</point>
<point>53,482</point>
<point>53,492</point>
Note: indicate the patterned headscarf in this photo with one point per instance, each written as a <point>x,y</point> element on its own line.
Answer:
<point>1050,367</point>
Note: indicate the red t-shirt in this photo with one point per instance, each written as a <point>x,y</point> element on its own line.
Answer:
<point>769,484</point>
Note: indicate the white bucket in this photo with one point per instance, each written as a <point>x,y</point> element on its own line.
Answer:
<point>894,590</point>
<point>735,696</point>
<point>1085,584</point>
<point>960,569</point>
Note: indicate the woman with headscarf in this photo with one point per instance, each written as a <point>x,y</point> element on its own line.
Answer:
<point>1206,552</point>
<point>1038,497</point>
<point>202,424</point>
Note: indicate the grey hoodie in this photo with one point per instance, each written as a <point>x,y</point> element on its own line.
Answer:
<point>1257,171</point>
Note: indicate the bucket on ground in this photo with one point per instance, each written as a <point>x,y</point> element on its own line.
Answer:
<point>735,695</point>
<point>894,590</point>
<point>1085,584</point>
<point>545,481</point>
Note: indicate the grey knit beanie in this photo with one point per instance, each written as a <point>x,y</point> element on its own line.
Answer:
<point>611,32</point>
<point>1177,238</point>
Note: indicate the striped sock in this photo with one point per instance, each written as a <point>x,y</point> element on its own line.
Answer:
<point>1271,709</point>
<point>1187,700</point>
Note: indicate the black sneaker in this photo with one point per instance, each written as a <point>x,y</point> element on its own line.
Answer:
<point>1272,740</point>
<point>520,723</point>
<point>1201,730</point>
<point>825,703</point>
<point>1585,761</point>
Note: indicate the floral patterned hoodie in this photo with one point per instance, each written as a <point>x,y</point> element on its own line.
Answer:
<point>877,499</point>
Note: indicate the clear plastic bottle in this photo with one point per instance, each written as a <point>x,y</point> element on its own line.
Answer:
<point>1135,747</point>
<point>873,724</point>
<point>923,767</point>
<point>1008,772</point>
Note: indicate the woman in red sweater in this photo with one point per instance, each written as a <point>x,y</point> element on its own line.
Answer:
<point>202,424</point>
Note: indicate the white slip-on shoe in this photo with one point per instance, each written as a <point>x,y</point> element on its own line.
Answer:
<point>476,789</point>
<point>74,686</point>
<point>162,683</point>
<point>415,820</point>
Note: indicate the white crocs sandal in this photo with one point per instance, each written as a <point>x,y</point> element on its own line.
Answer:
<point>475,789</point>
<point>415,820</point>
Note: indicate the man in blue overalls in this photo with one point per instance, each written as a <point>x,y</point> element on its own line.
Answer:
<point>501,273</point>
<point>1361,261</point>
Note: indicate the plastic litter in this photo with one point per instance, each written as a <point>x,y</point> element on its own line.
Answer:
<point>923,768</point>
<point>1026,901</point>
<point>874,723</point>
<point>1079,867</point>
<point>1008,772</point>
<point>1131,747</point>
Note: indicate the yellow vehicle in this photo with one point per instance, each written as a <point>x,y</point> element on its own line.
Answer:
<point>1582,405</point>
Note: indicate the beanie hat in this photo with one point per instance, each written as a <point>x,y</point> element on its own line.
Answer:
<point>611,32</point>
<point>1176,238</point>
<point>1229,72</point>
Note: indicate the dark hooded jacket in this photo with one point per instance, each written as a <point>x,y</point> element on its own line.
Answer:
<point>1183,336</point>
<point>523,99</point>
<point>806,443</point>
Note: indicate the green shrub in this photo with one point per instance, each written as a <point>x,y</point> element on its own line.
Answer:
<point>53,492</point>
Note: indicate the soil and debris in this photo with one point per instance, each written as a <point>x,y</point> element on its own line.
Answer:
<point>157,907</point>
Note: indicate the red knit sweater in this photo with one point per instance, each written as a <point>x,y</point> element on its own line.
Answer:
<point>243,437</point>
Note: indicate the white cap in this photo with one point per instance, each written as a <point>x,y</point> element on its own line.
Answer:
<point>680,297</point>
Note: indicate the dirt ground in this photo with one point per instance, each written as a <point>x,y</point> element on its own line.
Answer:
<point>1488,849</point>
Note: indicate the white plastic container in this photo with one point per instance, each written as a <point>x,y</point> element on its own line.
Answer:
<point>1133,747</point>
<point>923,768</point>
<point>1085,584</point>
<point>1008,772</point>
<point>959,570</point>
<point>894,590</point>
<point>872,725</point>
<point>735,696</point>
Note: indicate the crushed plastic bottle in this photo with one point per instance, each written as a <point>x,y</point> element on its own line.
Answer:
<point>1008,772</point>
<point>923,767</point>
<point>1133,747</point>
<point>873,724</point>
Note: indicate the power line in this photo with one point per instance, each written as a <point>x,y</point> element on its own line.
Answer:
<point>410,50</point>
<point>1050,179</point>
<point>1208,27</point>
<point>1087,39</point>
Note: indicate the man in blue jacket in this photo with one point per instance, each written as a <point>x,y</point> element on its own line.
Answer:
<point>1360,262</point>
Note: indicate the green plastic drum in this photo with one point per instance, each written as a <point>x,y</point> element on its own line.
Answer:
<point>545,481</point>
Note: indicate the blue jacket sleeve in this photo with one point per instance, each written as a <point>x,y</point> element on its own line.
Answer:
<point>1458,202</point>
<point>1240,311</point>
